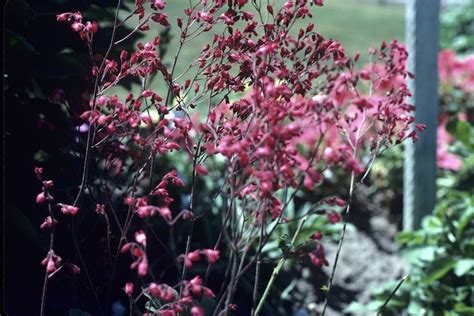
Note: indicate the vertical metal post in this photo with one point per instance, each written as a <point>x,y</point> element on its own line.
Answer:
<point>422,36</point>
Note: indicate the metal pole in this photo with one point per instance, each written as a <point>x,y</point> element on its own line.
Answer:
<point>422,36</point>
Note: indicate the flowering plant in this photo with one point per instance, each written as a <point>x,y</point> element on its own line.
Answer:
<point>265,108</point>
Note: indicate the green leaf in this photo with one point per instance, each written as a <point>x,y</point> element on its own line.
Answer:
<point>414,308</point>
<point>432,225</point>
<point>411,238</point>
<point>464,309</point>
<point>466,218</point>
<point>462,131</point>
<point>355,308</point>
<point>439,269</point>
<point>358,308</point>
<point>18,43</point>
<point>419,254</point>
<point>463,266</point>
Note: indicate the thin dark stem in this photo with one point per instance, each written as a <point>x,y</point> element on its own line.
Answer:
<point>257,272</point>
<point>255,287</point>
<point>51,246</point>
<point>86,271</point>
<point>339,246</point>
<point>191,207</point>
<point>91,131</point>
<point>277,269</point>
<point>391,295</point>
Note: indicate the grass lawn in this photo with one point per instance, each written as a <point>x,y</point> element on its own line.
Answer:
<point>357,24</point>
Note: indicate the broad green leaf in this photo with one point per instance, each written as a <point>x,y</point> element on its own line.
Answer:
<point>18,43</point>
<point>439,269</point>
<point>410,238</point>
<point>463,266</point>
<point>418,254</point>
<point>432,225</point>
<point>415,308</point>
<point>462,131</point>
<point>355,308</point>
<point>466,218</point>
<point>464,309</point>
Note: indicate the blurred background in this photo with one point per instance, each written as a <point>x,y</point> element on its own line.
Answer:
<point>44,62</point>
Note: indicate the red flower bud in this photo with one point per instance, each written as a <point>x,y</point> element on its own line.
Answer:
<point>40,198</point>
<point>143,267</point>
<point>63,16</point>
<point>68,209</point>
<point>128,289</point>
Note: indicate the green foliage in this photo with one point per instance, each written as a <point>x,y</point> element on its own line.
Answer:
<point>441,252</point>
<point>463,146</point>
<point>457,29</point>
<point>441,256</point>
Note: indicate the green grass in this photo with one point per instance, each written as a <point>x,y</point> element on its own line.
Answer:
<point>357,24</point>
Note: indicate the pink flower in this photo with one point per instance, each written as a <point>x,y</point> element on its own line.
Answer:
<point>154,290</point>
<point>40,198</point>
<point>202,170</point>
<point>143,267</point>
<point>308,182</point>
<point>165,212</point>
<point>77,27</point>
<point>212,255</point>
<point>445,159</point>
<point>191,257</point>
<point>317,261</point>
<point>340,202</point>
<point>333,217</point>
<point>50,266</point>
<point>48,223</point>
<point>158,4</point>
<point>146,211</point>
<point>48,184</point>
<point>448,161</point>
<point>129,289</point>
<point>38,171</point>
<point>317,235</point>
<point>197,311</point>
<point>100,209</point>
<point>91,27</point>
<point>166,312</point>
<point>63,16</point>
<point>208,292</point>
<point>140,237</point>
<point>68,209</point>
<point>318,258</point>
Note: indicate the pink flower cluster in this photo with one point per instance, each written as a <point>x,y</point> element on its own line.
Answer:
<point>194,256</point>
<point>305,112</point>
<point>455,71</point>
<point>138,252</point>
<point>445,159</point>
<point>174,304</point>
<point>86,30</point>
<point>456,87</point>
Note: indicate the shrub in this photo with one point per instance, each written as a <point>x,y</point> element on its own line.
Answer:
<point>263,111</point>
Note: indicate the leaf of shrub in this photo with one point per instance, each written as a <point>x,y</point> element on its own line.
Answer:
<point>463,266</point>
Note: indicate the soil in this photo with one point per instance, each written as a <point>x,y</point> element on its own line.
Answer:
<point>368,259</point>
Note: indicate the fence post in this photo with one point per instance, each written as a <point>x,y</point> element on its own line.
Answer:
<point>422,37</point>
